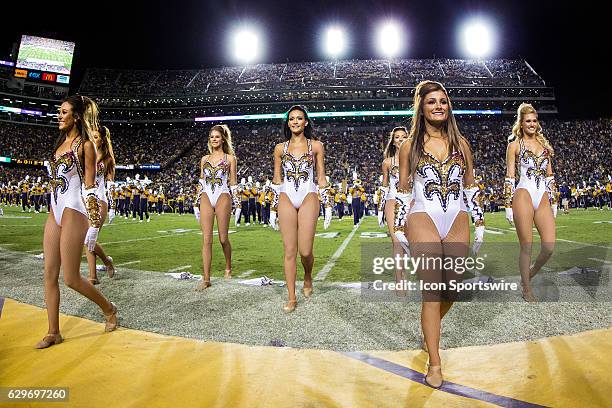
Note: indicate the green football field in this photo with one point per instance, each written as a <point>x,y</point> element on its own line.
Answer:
<point>59,56</point>
<point>172,243</point>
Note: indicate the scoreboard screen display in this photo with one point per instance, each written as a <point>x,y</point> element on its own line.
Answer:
<point>44,59</point>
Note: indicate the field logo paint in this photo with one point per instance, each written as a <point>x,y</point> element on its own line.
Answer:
<point>370,235</point>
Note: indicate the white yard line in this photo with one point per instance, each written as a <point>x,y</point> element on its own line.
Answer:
<point>247,273</point>
<point>180,268</point>
<point>146,239</point>
<point>127,263</point>
<point>584,243</point>
<point>332,261</point>
<point>601,260</point>
<point>22,226</point>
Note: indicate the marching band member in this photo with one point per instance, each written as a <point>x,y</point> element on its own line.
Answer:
<point>143,211</point>
<point>180,200</point>
<point>252,200</point>
<point>160,201</point>
<point>355,192</point>
<point>24,187</point>
<point>268,196</point>
<point>244,203</point>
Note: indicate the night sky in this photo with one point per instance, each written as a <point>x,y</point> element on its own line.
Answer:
<point>565,44</point>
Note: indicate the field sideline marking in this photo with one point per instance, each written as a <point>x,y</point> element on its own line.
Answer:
<point>146,239</point>
<point>332,261</point>
<point>447,386</point>
<point>127,263</point>
<point>180,268</point>
<point>584,243</point>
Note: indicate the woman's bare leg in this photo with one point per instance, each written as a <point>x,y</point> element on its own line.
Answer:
<point>307,224</point>
<point>288,222</point>
<point>207,214</point>
<point>51,249</point>
<point>545,223</point>
<point>522,208</point>
<point>425,242</point>
<point>223,211</point>
<point>74,228</point>
<point>397,248</point>
<point>456,244</point>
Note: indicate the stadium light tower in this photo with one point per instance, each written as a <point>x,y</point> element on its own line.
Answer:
<point>477,38</point>
<point>389,39</point>
<point>335,43</point>
<point>246,45</point>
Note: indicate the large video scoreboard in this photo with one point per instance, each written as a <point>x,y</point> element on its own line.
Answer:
<point>44,59</point>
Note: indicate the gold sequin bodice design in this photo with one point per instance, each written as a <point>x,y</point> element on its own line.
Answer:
<point>441,180</point>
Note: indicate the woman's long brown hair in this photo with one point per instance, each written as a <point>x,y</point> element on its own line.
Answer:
<point>417,129</point>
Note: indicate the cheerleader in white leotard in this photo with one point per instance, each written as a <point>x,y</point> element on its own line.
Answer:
<point>66,178</point>
<point>386,205</point>
<point>298,174</point>
<point>215,179</point>
<point>75,215</point>
<point>217,190</point>
<point>390,173</point>
<point>295,196</point>
<point>438,189</point>
<point>529,203</point>
<point>439,161</point>
<point>533,171</point>
<point>105,173</point>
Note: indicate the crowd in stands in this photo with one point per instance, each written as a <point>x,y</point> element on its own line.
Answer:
<point>582,152</point>
<point>296,76</point>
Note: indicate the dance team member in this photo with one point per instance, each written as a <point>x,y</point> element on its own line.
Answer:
<point>216,190</point>
<point>438,159</point>
<point>105,173</point>
<point>390,180</point>
<point>74,217</point>
<point>529,201</point>
<point>296,196</point>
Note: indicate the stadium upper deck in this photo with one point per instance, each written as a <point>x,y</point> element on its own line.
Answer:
<point>139,96</point>
<point>310,75</point>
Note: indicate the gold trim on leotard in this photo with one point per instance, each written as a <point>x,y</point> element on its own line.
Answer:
<point>213,175</point>
<point>537,164</point>
<point>299,170</point>
<point>442,187</point>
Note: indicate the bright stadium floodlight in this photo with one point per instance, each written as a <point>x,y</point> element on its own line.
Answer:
<point>477,38</point>
<point>389,39</point>
<point>335,43</point>
<point>245,44</point>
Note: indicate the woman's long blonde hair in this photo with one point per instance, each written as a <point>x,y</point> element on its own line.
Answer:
<point>517,131</point>
<point>108,157</point>
<point>417,128</point>
<point>226,135</point>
